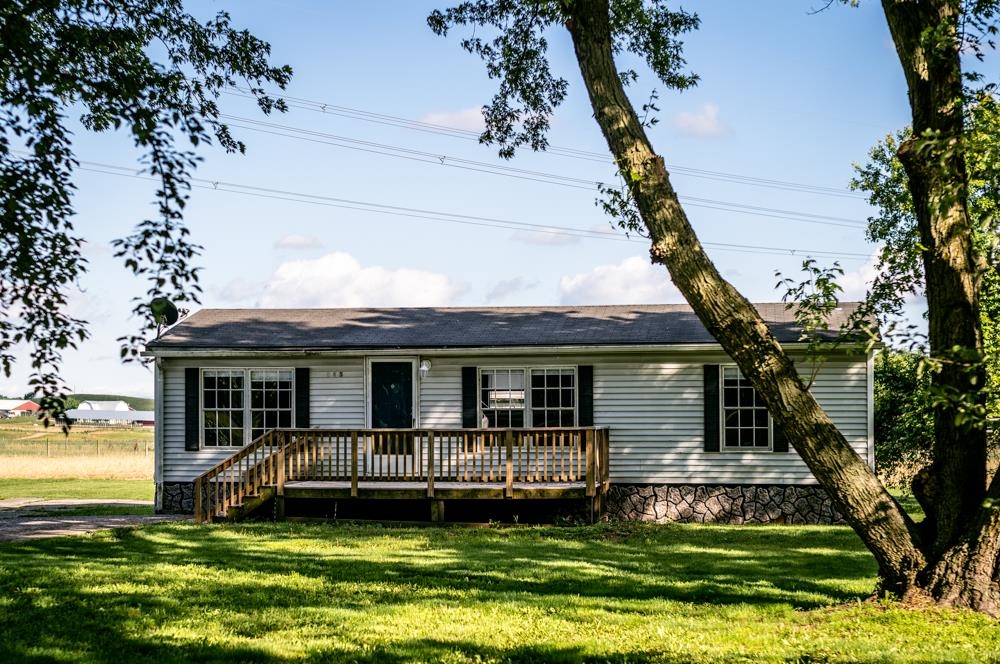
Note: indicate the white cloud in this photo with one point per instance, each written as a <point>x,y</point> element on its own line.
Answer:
<point>508,287</point>
<point>704,122</point>
<point>857,282</point>
<point>468,118</point>
<point>295,241</point>
<point>339,280</point>
<point>549,238</point>
<point>238,291</point>
<point>633,281</point>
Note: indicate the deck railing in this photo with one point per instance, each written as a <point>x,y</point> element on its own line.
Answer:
<point>506,456</point>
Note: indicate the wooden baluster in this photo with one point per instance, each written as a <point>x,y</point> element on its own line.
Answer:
<point>430,464</point>
<point>509,449</point>
<point>590,462</point>
<point>354,464</point>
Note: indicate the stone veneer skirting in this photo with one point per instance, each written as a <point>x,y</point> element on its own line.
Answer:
<point>721,504</point>
<point>658,503</point>
<point>175,498</point>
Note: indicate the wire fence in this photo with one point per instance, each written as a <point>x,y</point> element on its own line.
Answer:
<point>85,448</point>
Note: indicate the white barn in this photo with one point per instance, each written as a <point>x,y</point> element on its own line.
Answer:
<point>662,424</point>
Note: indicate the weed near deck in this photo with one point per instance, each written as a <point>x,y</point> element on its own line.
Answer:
<point>289,592</point>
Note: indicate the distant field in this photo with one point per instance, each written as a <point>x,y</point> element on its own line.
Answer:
<point>32,451</point>
<point>29,430</point>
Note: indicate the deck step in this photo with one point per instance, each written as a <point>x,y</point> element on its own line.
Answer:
<point>250,504</point>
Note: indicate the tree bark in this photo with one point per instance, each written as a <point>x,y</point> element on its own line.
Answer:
<point>925,36</point>
<point>855,490</point>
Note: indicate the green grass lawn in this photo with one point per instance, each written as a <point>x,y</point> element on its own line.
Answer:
<point>328,593</point>
<point>70,488</point>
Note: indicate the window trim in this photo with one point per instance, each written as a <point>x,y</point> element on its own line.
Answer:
<point>728,449</point>
<point>247,423</point>
<point>528,418</point>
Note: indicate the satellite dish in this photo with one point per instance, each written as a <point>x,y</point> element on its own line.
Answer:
<point>164,311</point>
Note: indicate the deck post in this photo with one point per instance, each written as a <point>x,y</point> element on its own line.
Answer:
<point>590,463</point>
<point>509,444</point>
<point>354,464</point>
<point>437,511</point>
<point>198,516</point>
<point>430,463</point>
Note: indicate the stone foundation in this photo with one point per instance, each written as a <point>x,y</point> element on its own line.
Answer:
<point>175,498</point>
<point>722,504</point>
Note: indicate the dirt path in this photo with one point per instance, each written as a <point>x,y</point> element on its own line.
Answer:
<point>33,518</point>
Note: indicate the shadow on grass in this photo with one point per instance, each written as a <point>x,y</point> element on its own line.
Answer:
<point>100,595</point>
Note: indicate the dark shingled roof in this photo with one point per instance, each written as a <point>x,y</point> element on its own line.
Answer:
<point>492,327</point>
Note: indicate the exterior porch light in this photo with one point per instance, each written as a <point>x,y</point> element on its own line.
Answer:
<point>425,368</point>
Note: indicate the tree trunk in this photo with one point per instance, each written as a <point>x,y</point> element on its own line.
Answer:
<point>885,529</point>
<point>928,47</point>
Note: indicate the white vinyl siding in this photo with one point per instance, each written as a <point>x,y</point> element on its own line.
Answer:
<point>652,402</point>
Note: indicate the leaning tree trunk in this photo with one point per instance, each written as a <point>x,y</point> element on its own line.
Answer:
<point>859,496</point>
<point>965,535</point>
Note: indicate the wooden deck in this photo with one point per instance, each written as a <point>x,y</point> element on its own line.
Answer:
<point>442,490</point>
<point>456,464</point>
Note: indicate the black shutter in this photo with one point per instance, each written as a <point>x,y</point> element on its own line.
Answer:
<point>192,402</point>
<point>712,443</point>
<point>302,397</point>
<point>470,419</point>
<point>585,388</point>
<point>779,441</point>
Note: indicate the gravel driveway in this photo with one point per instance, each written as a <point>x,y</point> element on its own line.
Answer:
<point>33,518</point>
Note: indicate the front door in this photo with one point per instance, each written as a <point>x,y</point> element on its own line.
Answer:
<point>392,408</point>
<point>392,395</point>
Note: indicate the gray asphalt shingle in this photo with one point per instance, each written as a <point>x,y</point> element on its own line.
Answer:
<point>438,327</point>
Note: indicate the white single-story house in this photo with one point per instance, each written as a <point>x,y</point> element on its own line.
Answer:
<point>635,408</point>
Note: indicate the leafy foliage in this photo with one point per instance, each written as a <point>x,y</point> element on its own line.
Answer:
<point>517,56</point>
<point>145,67</point>
<point>904,418</point>
<point>900,267</point>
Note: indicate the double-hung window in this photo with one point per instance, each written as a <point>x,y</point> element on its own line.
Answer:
<point>540,397</point>
<point>745,421</point>
<point>239,405</point>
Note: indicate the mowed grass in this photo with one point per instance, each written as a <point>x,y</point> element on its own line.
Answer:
<point>328,593</point>
<point>76,488</point>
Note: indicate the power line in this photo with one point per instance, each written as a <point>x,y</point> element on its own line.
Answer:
<point>455,132</point>
<point>433,215</point>
<point>322,138</point>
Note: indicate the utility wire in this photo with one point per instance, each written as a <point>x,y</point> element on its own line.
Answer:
<point>432,215</point>
<point>322,138</point>
<point>455,132</point>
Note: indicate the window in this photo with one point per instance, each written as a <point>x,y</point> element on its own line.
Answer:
<point>239,405</point>
<point>553,397</point>
<point>551,400</point>
<point>745,422</point>
<point>501,397</point>
<point>223,404</point>
<point>270,400</point>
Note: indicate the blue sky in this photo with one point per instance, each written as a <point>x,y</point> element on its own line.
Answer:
<point>786,96</point>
